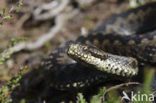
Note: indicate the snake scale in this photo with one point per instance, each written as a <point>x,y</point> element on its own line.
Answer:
<point>114,49</point>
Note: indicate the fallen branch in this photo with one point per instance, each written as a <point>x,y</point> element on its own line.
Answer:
<point>60,20</point>
<point>117,87</point>
<point>53,8</point>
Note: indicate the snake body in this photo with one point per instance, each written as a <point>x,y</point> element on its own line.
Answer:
<point>131,35</point>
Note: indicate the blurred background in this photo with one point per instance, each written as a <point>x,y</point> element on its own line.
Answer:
<point>61,20</point>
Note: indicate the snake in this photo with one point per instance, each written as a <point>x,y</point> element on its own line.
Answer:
<point>114,50</point>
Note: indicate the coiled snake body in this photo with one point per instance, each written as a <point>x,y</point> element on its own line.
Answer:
<point>130,34</point>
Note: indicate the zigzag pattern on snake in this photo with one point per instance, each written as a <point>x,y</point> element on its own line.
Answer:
<point>130,34</point>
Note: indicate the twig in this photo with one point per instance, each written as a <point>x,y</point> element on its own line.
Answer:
<point>54,8</point>
<point>116,87</point>
<point>60,21</point>
<point>22,20</point>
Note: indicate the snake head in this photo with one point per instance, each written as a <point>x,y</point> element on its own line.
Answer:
<point>93,57</point>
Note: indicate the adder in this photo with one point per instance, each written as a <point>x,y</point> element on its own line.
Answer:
<point>117,48</point>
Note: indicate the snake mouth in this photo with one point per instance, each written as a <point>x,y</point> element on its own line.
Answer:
<point>95,58</point>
